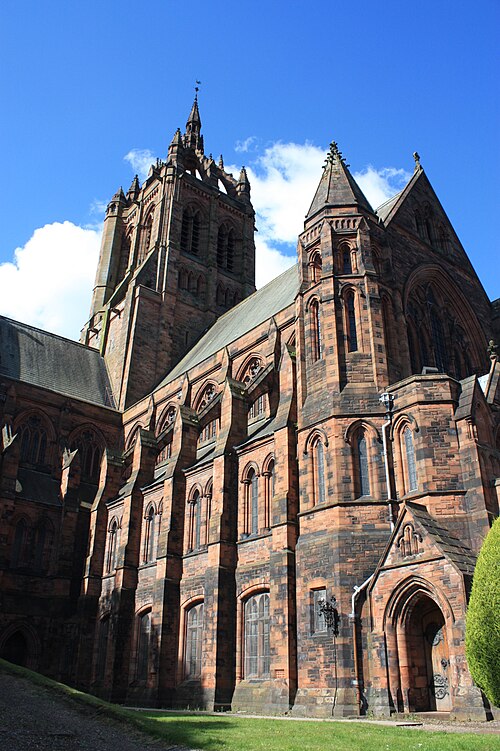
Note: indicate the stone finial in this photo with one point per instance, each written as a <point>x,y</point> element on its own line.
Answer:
<point>334,153</point>
<point>416,157</point>
<point>221,162</point>
<point>492,350</point>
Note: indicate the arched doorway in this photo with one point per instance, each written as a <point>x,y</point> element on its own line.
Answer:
<point>15,649</point>
<point>428,674</point>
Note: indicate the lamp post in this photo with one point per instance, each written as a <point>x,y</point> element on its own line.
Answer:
<point>331,615</point>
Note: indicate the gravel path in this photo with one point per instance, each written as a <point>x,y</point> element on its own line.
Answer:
<point>33,718</point>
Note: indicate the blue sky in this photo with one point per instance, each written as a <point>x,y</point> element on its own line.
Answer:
<point>84,85</point>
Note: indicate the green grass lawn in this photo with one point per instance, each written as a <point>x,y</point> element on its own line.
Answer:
<point>226,732</point>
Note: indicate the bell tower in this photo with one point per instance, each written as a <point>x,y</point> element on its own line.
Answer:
<point>337,259</point>
<point>176,253</point>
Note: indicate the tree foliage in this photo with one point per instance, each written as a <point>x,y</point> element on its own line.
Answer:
<point>482,638</point>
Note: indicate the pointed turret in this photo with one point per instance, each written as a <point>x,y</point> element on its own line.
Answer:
<point>193,138</point>
<point>117,201</point>
<point>337,186</point>
<point>134,189</point>
<point>243,185</point>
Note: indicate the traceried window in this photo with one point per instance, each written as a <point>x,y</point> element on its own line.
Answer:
<point>440,354</point>
<point>352,334</point>
<point>90,453</point>
<point>257,642</point>
<point>194,642</point>
<point>411,466</point>
<point>318,622</point>
<point>318,453</point>
<point>33,440</point>
<point>145,239</point>
<point>316,338</point>
<point>362,462</point>
<point>143,640</point>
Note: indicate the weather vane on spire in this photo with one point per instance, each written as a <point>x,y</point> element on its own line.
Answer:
<point>196,89</point>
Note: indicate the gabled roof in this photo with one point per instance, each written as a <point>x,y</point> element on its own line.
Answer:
<point>251,312</point>
<point>337,186</point>
<point>452,548</point>
<point>43,359</point>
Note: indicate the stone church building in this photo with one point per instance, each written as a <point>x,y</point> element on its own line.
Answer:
<point>261,500</point>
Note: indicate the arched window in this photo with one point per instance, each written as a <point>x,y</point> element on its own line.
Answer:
<point>230,250</point>
<point>316,338</point>
<point>352,335</point>
<point>411,466</point>
<point>362,462</point>
<point>149,536</point>
<point>316,265</point>
<point>318,453</point>
<point>194,642</point>
<point>254,502</point>
<point>194,537</point>
<point>346,260</point>
<point>190,231</point>
<point>257,642</point>
<point>208,511</point>
<point>270,476</point>
<point>102,648</point>
<point>143,639</point>
<point>42,545</point>
<point>113,540</point>
<point>221,246</point>
<point>126,244</point>
<point>90,454</point>
<point>33,439</point>
<point>18,553</point>
<point>145,241</point>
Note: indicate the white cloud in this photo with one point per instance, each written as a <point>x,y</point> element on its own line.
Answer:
<point>140,160</point>
<point>49,283</point>
<point>244,146</point>
<point>269,262</point>
<point>380,185</point>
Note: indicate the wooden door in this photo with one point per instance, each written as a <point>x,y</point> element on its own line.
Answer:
<point>438,661</point>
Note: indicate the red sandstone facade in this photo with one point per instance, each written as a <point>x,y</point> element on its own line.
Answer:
<point>181,493</point>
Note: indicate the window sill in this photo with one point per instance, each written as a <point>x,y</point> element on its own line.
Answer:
<point>250,537</point>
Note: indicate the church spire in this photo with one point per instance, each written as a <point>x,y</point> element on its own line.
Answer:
<point>193,138</point>
<point>337,186</point>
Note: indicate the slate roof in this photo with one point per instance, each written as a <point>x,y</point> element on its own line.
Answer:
<point>337,187</point>
<point>251,312</point>
<point>34,356</point>
<point>385,208</point>
<point>451,546</point>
